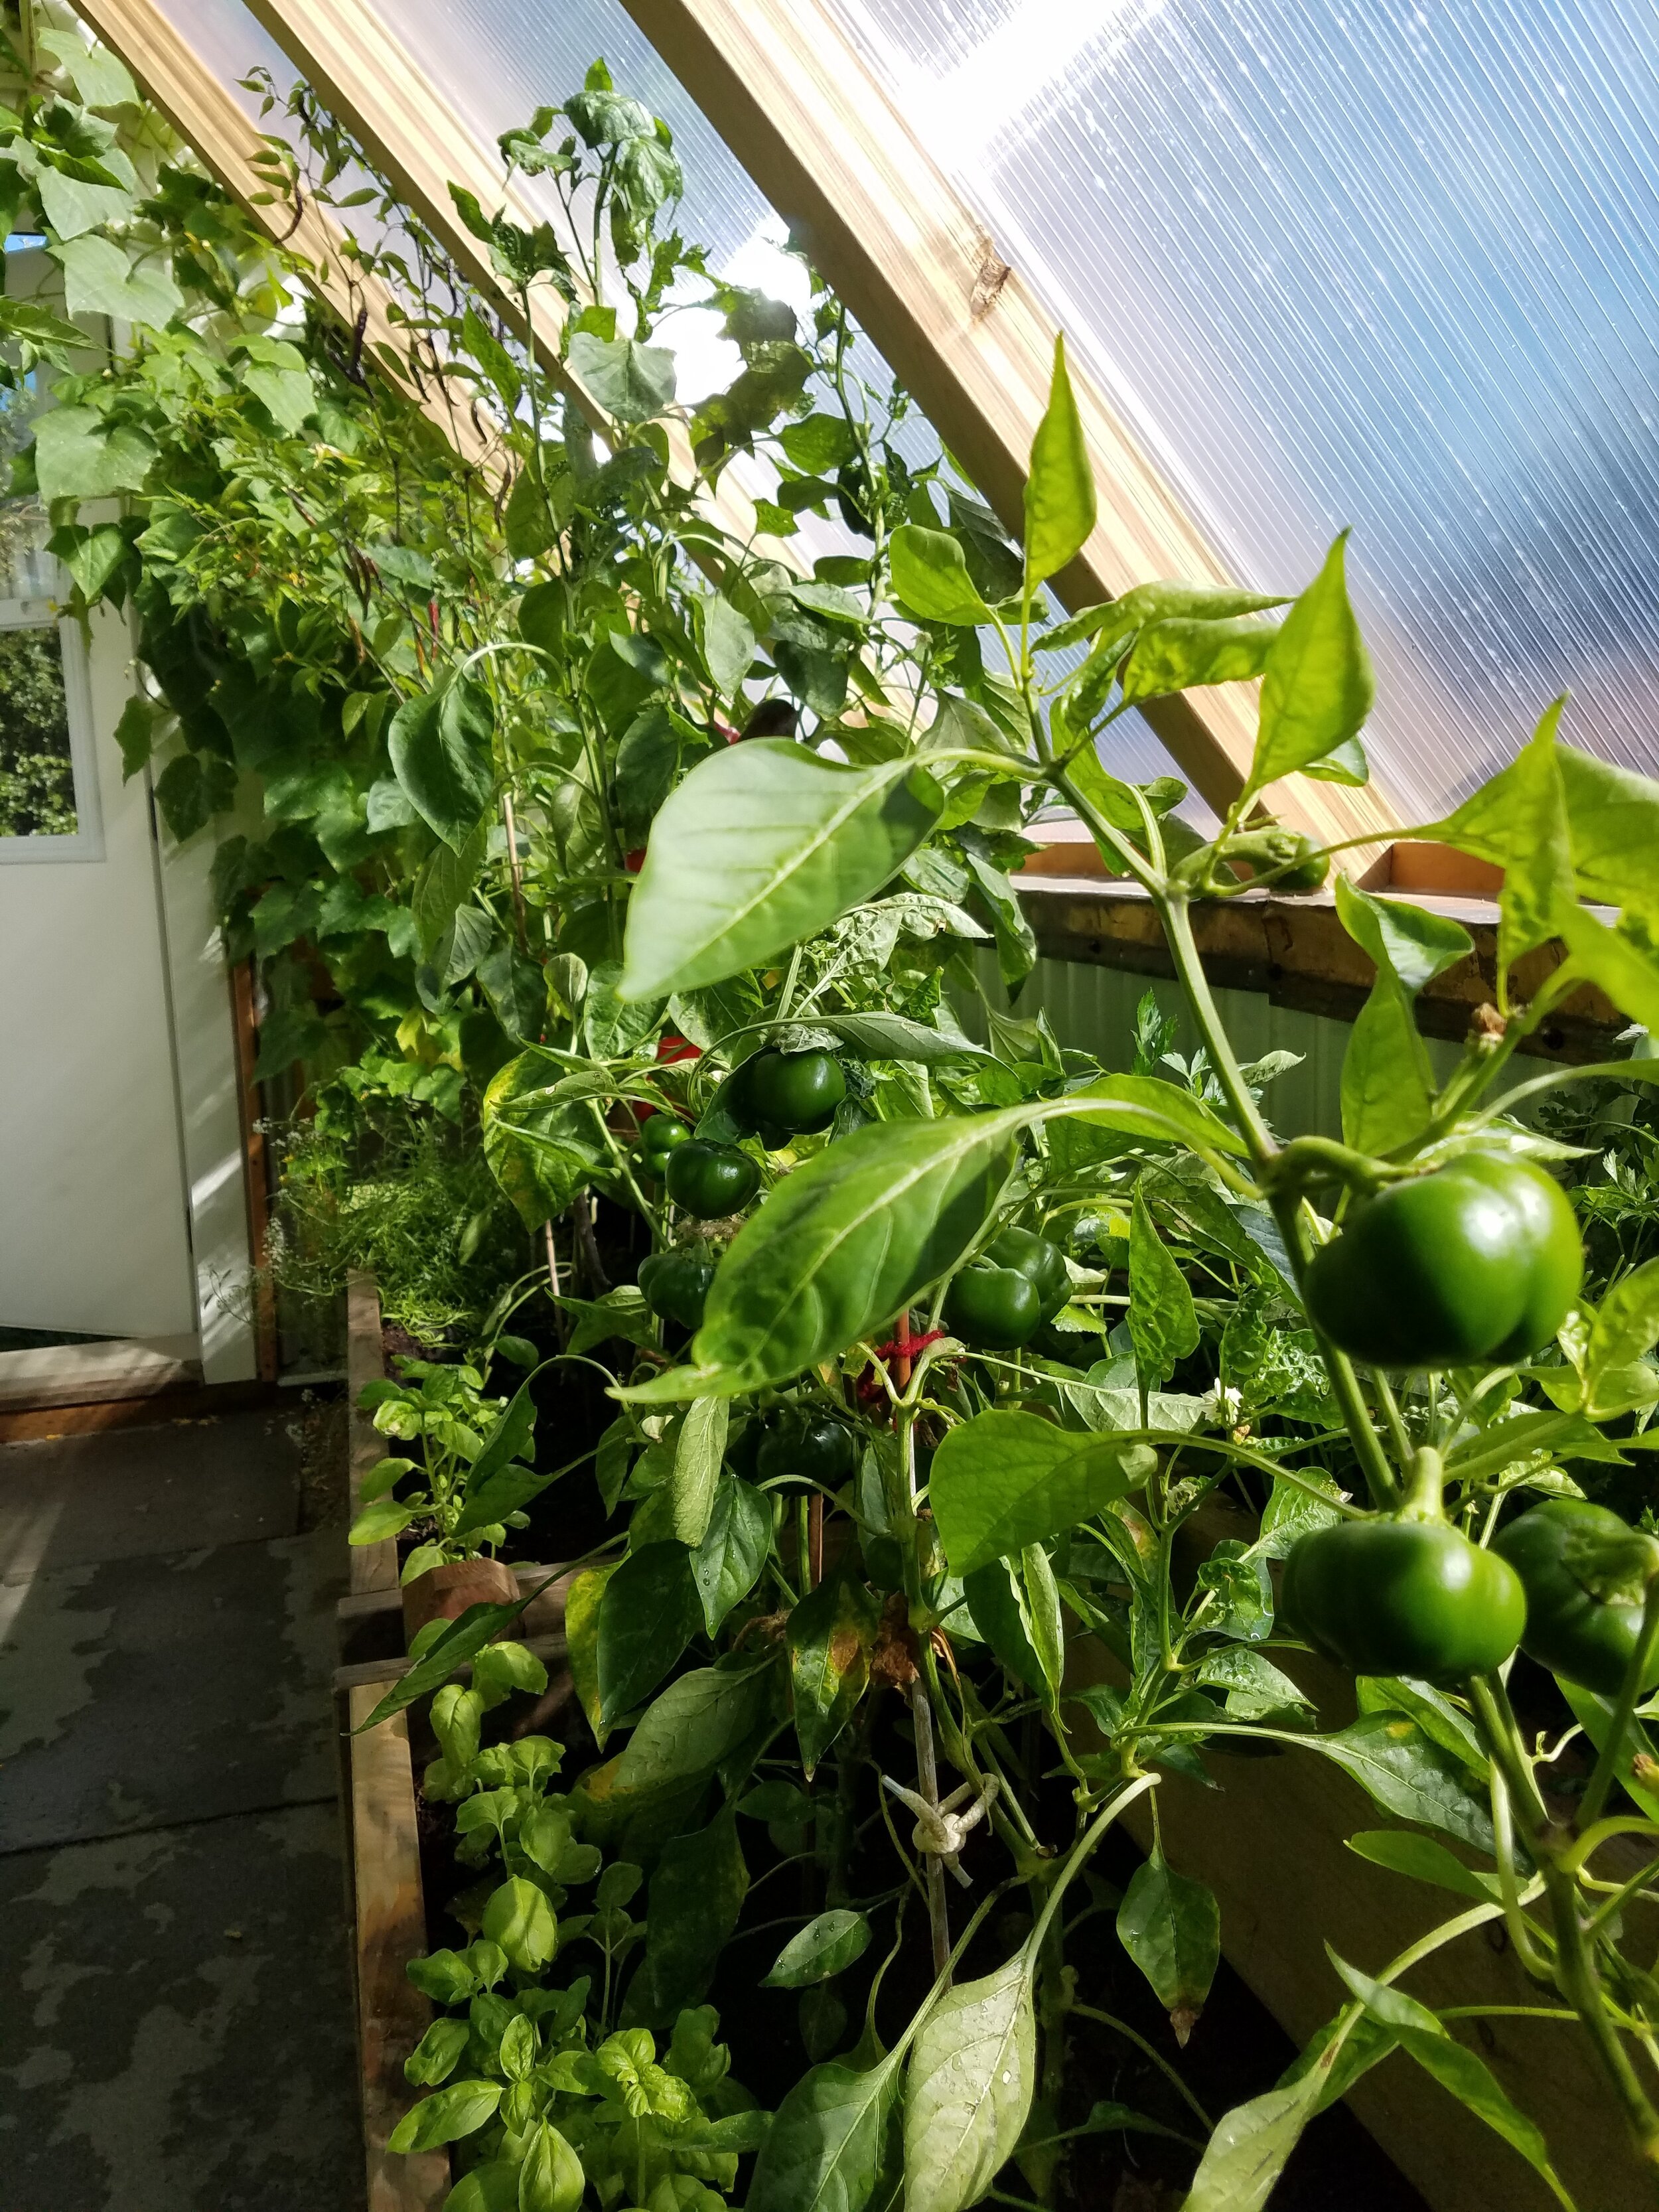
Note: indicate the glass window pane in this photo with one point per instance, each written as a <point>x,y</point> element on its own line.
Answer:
<point>37,772</point>
<point>1378,264</point>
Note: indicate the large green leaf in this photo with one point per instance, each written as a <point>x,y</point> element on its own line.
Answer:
<point>1388,1082</point>
<point>693,1725</point>
<point>840,1244</point>
<point>445,2116</point>
<point>99,280</point>
<point>969,2088</point>
<point>540,1149</point>
<point>1247,2153</point>
<point>1182,651</point>
<point>825,1947</point>
<point>763,845</point>
<point>1613,819</point>
<point>695,1896</point>
<point>1171,1926</point>
<point>824,2150</point>
<point>930,576</point>
<point>1538,879</point>
<point>80,455</point>
<point>632,382</point>
<point>1060,491</point>
<point>727,1563</point>
<point>1003,1481</point>
<point>649,1613</point>
<point>831,1635</point>
<point>1406,1772</point>
<point>442,754</point>
<point>698,1452</point>
<point>1317,684</point>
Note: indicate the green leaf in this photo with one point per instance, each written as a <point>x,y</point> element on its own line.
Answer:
<point>1163,1321</point>
<point>99,555</point>
<point>1563,1436</point>
<point>729,1561</point>
<point>479,1626</point>
<point>969,2089</point>
<point>649,1614</point>
<point>764,844</point>
<point>728,643</point>
<point>99,280</point>
<point>437,2054</point>
<point>878,1035</point>
<point>1424,1860</point>
<point>443,754</point>
<point>1115,620</point>
<point>1406,1772</point>
<point>697,1722</point>
<point>1060,491</point>
<point>1146,1106</point>
<point>1247,2153</point>
<point>100,78</point>
<point>445,2116</point>
<point>1387,1086</point>
<point>385,1517</point>
<point>519,1918</point>
<point>822,1947</point>
<point>1594,1716</point>
<point>1176,653</point>
<point>1317,685</point>
<point>1453,2064</point>
<point>1003,1480</point>
<point>1171,1926</point>
<point>80,455</point>
<point>1622,968</point>
<point>824,2150</point>
<point>930,575</point>
<point>698,1453</point>
<point>1406,941</point>
<point>541,1150</point>
<point>843,1242</point>
<point>551,2179</point>
<point>447,878</point>
<point>692,1907</point>
<point>1538,879</point>
<point>632,382</point>
<point>831,1635</point>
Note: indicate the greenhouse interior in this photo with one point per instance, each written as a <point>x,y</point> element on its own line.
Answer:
<point>829,1172</point>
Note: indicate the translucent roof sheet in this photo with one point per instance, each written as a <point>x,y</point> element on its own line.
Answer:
<point>1377,263</point>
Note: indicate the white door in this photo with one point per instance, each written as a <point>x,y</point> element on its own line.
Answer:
<point>111,984</point>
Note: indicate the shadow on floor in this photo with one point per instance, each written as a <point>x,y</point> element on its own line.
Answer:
<point>178,2034</point>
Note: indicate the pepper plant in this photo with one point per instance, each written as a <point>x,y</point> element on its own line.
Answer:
<point>559,781</point>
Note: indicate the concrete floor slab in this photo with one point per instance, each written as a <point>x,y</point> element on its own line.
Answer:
<point>129,1493</point>
<point>138,1692</point>
<point>177,2033</point>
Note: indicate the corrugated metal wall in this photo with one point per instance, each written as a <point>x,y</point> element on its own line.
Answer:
<point>1093,1009</point>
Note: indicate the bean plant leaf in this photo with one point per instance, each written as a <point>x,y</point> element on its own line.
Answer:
<point>824,2150</point>
<point>971,2077</point>
<point>1060,490</point>
<point>1163,1321</point>
<point>825,1947</point>
<point>632,382</point>
<point>1003,1481</point>
<point>80,455</point>
<point>442,754</point>
<point>930,576</point>
<point>763,845</point>
<point>1171,1926</point>
<point>1317,683</point>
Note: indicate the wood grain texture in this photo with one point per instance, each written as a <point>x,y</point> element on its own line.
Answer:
<point>968,335</point>
<point>373,1566</point>
<point>391,1930</point>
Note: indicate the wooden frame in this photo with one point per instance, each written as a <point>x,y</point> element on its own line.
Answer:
<point>797,106</point>
<point>825,142</point>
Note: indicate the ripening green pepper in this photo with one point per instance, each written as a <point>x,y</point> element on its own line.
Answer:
<point>1406,1593</point>
<point>993,1309</point>
<point>1044,1263</point>
<point>1479,1260</point>
<point>810,1447</point>
<point>1568,1553</point>
<point>675,1285</point>
<point>661,1134</point>
<point>794,1092</point>
<point>711,1179</point>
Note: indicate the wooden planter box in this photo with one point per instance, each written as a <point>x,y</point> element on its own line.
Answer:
<point>1271,1843</point>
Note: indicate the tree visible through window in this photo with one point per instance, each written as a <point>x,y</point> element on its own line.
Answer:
<point>37,779</point>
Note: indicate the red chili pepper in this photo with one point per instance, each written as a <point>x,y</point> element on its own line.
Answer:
<point>634,861</point>
<point>671,1046</point>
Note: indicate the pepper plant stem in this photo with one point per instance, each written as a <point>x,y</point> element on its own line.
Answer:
<point>1624,1711</point>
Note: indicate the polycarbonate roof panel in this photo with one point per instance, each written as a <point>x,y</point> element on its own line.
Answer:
<point>1356,262</point>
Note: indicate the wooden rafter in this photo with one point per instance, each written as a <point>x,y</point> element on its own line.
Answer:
<point>825,142</point>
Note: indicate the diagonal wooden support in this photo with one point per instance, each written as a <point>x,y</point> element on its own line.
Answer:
<point>820,135</point>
